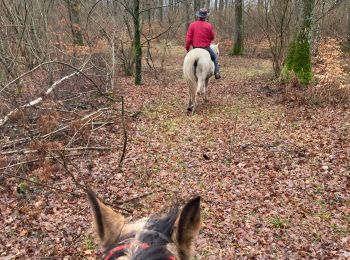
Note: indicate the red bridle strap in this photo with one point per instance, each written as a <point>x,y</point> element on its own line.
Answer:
<point>122,247</point>
<point>127,246</point>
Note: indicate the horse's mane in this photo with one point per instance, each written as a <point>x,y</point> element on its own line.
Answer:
<point>157,233</point>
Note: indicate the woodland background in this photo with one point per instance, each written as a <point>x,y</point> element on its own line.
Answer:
<point>91,94</point>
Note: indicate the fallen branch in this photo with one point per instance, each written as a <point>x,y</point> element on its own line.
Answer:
<point>26,139</point>
<point>55,150</point>
<point>24,74</point>
<point>39,99</point>
<point>139,197</point>
<point>31,161</point>
<point>43,185</point>
<point>64,164</point>
<point>15,142</point>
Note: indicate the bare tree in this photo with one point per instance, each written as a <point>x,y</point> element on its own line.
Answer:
<point>274,19</point>
<point>160,10</point>
<point>187,12</point>
<point>221,5</point>
<point>207,4</point>
<point>197,4</point>
<point>74,16</point>
<point>348,33</point>
<point>137,43</point>
<point>238,45</point>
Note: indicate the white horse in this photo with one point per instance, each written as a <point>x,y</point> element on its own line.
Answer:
<point>198,68</point>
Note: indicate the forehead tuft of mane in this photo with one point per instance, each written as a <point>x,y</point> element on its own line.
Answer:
<point>157,233</point>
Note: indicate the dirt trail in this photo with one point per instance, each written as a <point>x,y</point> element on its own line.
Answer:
<point>274,177</point>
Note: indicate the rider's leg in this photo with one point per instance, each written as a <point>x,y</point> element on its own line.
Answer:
<point>216,63</point>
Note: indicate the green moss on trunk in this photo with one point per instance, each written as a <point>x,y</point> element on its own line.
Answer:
<point>298,61</point>
<point>348,33</point>
<point>74,13</point>
<point>238,46</point>
<point>237,50</point>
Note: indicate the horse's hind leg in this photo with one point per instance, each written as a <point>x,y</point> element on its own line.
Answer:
<point>195,92</point>
<point>206,90</point>
<point>194,106</point>
<point>189,107</point>
<point>191,98</point>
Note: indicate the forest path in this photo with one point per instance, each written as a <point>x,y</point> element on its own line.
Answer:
<point>273,181</point>
<point>273,175</point>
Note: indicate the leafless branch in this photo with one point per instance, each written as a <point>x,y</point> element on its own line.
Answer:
<point>36,101</point>
<point>32,161</point>
<point>125,137</point>
<point>102,148</point>
<point>41,184</point>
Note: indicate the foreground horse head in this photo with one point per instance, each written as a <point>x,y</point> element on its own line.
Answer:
<point>170,236</point>
<point>198,68</point>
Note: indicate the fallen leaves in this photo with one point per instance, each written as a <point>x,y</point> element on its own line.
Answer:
<point>275,184</point>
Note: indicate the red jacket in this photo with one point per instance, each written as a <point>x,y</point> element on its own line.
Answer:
<point>199,34</point>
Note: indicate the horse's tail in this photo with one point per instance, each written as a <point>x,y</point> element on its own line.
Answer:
<point>199,77</point>
<point>195,63</point>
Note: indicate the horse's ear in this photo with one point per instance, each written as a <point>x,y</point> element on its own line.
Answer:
<point>108,223</point>
<point>187,227</point>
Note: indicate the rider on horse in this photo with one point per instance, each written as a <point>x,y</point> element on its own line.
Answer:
<point>200,34</point>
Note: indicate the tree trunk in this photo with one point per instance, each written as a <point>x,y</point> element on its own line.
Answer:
<point>160,3</point>
<point>221,20</point>
<point>196,5</point>
<point>298,61</point>
<point>207,5</point>
<point>238,45</point>
<point>137,43</point>
<point>221,5</point>
<point>171,5</point>
<point>317,30</point>
<point>260,5</point>
<point>187,14</point>
<point>74,11</point>
<point>348,36</point>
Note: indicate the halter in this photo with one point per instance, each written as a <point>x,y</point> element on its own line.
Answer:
<point>118,251</point>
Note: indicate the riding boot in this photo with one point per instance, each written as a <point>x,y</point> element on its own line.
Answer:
<point>217,69</point>
<point>217,72</point>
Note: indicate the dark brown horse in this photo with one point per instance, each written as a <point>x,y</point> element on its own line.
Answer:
<point>167,237</point>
